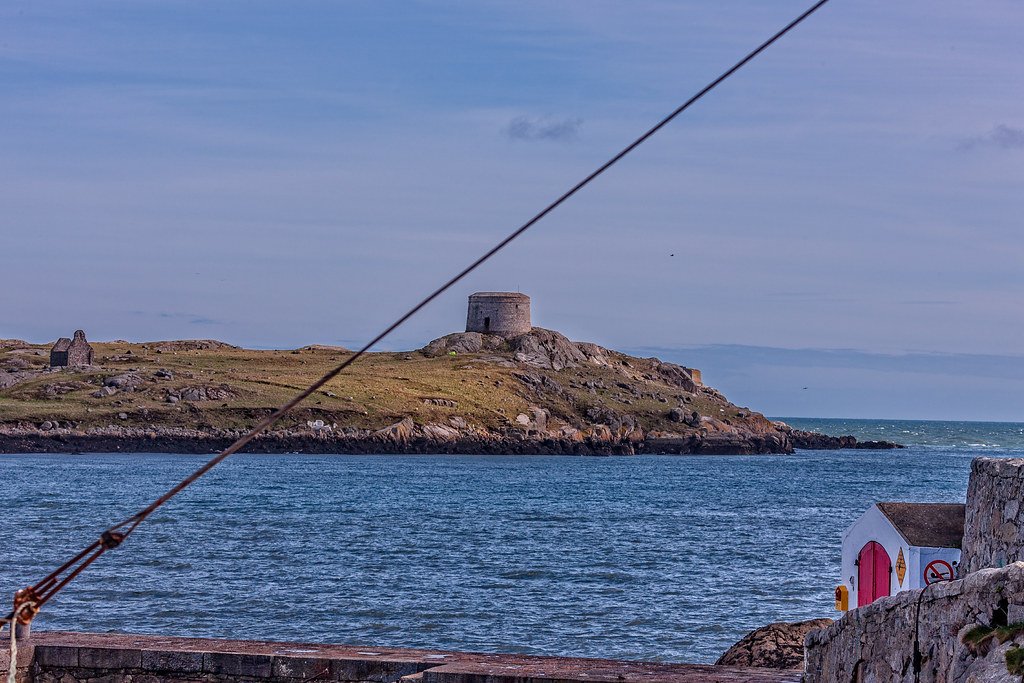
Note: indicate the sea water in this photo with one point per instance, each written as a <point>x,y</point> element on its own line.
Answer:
<point>650,557</point>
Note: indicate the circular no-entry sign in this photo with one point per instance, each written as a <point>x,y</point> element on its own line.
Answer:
<point>936,571</point>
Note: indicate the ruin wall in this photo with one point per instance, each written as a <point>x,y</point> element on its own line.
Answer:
<point>994,523</point>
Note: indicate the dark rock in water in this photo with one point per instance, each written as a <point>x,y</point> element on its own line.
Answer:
<point>824,442</point>
<point>878,445</point>
<point>775,646</point>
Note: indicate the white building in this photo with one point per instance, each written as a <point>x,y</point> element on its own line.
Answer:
<point>899,546</point>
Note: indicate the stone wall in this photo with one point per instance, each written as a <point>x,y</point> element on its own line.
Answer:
<point>876,643</point>
<point>112,658</point>
<point>994,526</point>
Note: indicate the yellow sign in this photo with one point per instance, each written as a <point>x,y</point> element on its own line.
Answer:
<point>901,567</point>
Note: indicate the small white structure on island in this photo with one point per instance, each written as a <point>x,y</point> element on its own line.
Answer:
<point>899,546</point>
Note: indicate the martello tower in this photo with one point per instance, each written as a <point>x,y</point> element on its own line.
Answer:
<point>502,313</point>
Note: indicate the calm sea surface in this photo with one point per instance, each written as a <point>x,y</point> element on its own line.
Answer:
<point>656,558</point>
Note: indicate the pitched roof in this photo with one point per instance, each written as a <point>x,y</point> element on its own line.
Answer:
<point>62,344</point>
<point>929,525</point>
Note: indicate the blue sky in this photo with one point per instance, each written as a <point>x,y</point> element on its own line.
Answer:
<point>276,174</point>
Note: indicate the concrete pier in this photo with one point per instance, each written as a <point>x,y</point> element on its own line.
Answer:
<point>59,657</point>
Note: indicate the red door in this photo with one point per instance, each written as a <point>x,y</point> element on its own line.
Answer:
<point>873,573</point>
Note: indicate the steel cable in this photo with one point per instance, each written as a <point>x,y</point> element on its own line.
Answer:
<point>38,594</point>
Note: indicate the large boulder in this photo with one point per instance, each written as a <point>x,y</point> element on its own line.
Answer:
<point>598,355</point>
<point>676,375</point>
<point>775,646</point>
<point>399,433</point>
<point>222,392</point>
<point>546,349</point>
<point>441,433</point>
<point>463,342</point>
<point>127,381</point>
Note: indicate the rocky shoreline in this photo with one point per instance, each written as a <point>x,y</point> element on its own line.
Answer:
<point>413,441</point>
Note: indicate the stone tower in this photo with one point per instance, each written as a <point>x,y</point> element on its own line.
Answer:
<point>503,313</point>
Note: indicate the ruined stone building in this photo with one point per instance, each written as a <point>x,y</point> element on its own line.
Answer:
<point>503,313</point>
<point>67,352</point>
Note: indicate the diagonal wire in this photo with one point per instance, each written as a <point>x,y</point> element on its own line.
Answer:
<point>113,536</point>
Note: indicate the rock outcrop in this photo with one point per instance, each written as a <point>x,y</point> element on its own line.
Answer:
<point>546,349</point>
<point>398,433</point>
<point>188,345</point>
<point>464,342</point>
<point>538,348</point>
<point>775,646</point>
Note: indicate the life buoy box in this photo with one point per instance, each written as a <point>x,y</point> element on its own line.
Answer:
<point>842,598</point>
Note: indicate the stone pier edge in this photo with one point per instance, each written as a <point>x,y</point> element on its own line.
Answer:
<point>65,657</point>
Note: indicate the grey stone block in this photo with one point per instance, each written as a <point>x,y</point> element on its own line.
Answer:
<point>146,678</point>
<point>373,670</point>
<point>56,656</point>
<point>232,664</point>
<point>109,658</point>
<point>171,661</point>
<point>113,677</point>
<point>300,668</point>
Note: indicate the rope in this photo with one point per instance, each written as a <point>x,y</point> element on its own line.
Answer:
<point>116,534</point>
<point>11,622</point>
<point>12,667</point>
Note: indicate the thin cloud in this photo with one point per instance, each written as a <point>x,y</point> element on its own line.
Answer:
<point>191,318</point>
<point>527,128</point>
<point>1001,136</point>
<point>929,302</point>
